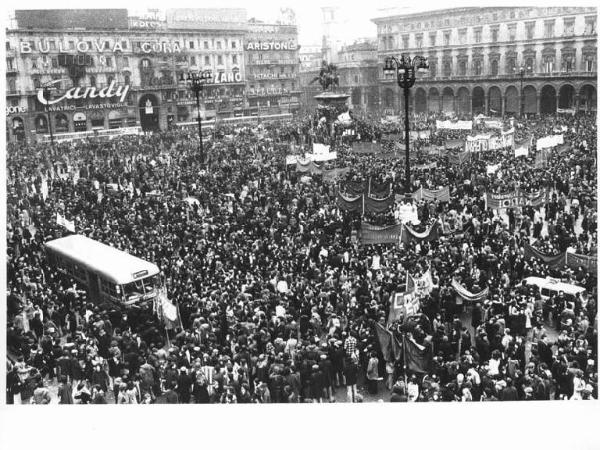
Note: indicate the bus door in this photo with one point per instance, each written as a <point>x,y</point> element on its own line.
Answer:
<point>93,286</point>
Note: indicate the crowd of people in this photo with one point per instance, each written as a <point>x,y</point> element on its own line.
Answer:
<point>277,297</point>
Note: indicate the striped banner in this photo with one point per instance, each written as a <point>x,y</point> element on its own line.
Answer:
<point>469,296</point>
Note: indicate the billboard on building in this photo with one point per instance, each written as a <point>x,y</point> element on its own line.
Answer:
<point>206,19</point>
<point>60,19</point>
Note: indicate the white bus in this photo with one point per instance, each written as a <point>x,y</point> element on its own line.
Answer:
<point>109,274</point>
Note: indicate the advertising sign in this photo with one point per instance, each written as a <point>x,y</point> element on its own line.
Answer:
<point>80,92</point>
<point>207,18</point>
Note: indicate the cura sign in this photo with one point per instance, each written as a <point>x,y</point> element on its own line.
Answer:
<point>75,93</point>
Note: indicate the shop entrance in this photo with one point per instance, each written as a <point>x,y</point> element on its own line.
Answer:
<point>149,112</point>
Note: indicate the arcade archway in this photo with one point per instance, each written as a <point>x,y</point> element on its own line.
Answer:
<point>548,100</point>
<point>478,100</point>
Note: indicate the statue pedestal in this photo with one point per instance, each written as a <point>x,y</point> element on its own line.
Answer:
<point>331,99</point>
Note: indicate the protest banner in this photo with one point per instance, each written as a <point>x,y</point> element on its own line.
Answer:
<point>422,285</point>
<point>515,199</point>
<point>450,125</point>
<point>549,141</point>
<point>486,142</point>
<point>429,195</point>
<point>373,234</point>
<point>588,262</point>
<point>350,203</point>
<point>430,234</point>
<point>333,174</point>
<point>458,159</point>
<point>551,260</point>
<point>469,296</point>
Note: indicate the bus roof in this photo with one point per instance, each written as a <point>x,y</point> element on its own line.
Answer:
<point>555,285</point>
<point>112,264</point>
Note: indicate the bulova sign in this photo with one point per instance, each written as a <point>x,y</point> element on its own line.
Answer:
<point>86,92</point>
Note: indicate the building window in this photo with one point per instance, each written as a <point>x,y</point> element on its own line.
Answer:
<point>192,60</point>
<point>55,62</point>
<point>549,64</point>
<point>7,45</point>
<point>432,39</point>
<point>511,65</point>
<point>529,65</point>
<point>206,45</point>
<point>590,25</point>
<point>219,60</point>
<point>590,63</point>
<point>124,45</point>
<point>530,30</point>
<point>125,61</point>
<point>447,69</point>
<point>462,36</point>
<point>494,32</point>
<point>567,63</point>
<point>34,63</point>
<point>419,40</point>
<point>494,70</point>
<point>234,44</point>
<point>9,63</point>
<point>431,71</point>
<point>549,29</point>
<point>234,59</point>
<point>71,45</point>
<point>478,67</point>
<point>405,41</point>
<point>92,81</point>
<point>569,27</point>
<point>145,63</point>
<point>477,34</point>
<point>52,46</point>
<point>447,37</point>
<point>191,45</point>
<point>108,61</point>
<point>207,60</point>
<point>36,83</point>
<point>462,68</point>
<point>512,32</point>
<point>218,45</point>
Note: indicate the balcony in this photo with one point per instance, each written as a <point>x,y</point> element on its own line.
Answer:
<point>11,71</point>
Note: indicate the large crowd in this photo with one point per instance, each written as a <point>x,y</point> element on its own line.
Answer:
<point>277,298</point>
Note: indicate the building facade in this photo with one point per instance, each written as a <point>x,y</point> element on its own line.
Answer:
<point>272,65</point>
<point>495,60</point>
<point>123,76</point>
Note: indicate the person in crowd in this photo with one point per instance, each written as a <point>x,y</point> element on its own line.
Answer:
<point>276,300</point>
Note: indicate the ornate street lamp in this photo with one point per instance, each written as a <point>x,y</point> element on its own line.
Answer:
<point>196,81</point>
<point>405,69</point>
<point>521,71</point>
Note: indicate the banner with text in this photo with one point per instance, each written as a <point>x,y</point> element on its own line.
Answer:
<point>515,199</point>
<point>450,125</point>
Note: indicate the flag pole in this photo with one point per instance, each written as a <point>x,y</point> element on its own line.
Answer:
<point>404,360</point>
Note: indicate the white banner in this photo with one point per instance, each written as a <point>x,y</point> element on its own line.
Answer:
<point>493,124</point>
<point>485,142</point>
<point>68,224</point>
<point>450,125</point>
<point>318,157</point>
<point>522,151</point>
<point>550,141</point>
<point>492,169</point>
<point>320,149</point>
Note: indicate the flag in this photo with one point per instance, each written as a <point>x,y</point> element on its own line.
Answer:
<point>416,357</point>
<point>166,311</point>
<point>385,338</point>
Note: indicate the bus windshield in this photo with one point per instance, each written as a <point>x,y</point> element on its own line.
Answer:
<point>140,287</point>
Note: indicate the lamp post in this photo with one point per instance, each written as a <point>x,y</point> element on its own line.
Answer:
<point>405,69</point>
<point>521,71</point>
<point>196,82</point>
<point>47,92</point>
